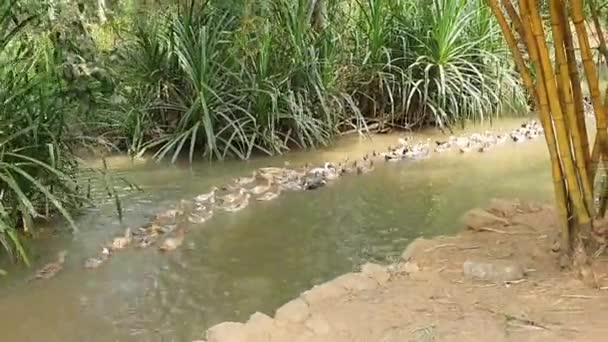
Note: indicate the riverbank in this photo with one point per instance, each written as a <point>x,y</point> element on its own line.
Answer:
<point>426,296</point>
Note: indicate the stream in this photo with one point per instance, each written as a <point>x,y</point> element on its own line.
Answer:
<point>257,258</point>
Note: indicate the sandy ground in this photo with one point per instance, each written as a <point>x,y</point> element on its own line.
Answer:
<point>427,296</point>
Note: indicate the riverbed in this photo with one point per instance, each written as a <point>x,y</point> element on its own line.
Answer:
<point>258,258</point>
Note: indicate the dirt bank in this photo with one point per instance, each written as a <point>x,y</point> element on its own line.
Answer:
<point>428,296</point>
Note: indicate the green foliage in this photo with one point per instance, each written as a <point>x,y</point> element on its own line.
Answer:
<point>36,167</point>
<point>444,62</point>
<point>233,78</point>
<point>229,84</point>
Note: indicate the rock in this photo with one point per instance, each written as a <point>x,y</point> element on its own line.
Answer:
<point>259,327</point>
<point>295,311</point>
<point>414,247</point>
<point>226,332</point>
<point>321,293</point>
<point>355,282</point>
<point>410,267</point>
<point>546,219</point>
<point>497,271</point>
<point>503,208</point>
<point>259,318</point>
<point>318,325</point>
<point>529,207</point>
<point>376,272</point>
<point>289,332</point>
<point>478,219</point>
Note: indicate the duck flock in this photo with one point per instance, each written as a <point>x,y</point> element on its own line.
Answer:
<point>166,230</point>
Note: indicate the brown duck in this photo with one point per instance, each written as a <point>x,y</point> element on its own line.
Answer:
<point>172,243</point>
<point>51,269</point>
<point>95,262</point>
<point>122,241</point>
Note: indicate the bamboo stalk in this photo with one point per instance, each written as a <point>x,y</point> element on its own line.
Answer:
<point>559,186</point>
<point>593,82</point>
<point>556,9</point>
<point>510,39</point>
<point>603,205</point>
<point>577,92</point>
<point>564,148</point>
<point>516,21</point>
<point>598,28</point>
<point>514,16</point>
<point>603,199</point>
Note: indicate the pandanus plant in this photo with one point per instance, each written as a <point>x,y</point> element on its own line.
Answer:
<point>555,88</point>
<point>36,168</point>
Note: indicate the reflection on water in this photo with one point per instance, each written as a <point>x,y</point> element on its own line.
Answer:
<point>257,258</point>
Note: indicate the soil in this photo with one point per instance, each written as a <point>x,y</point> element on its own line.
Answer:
<point>427,296</point>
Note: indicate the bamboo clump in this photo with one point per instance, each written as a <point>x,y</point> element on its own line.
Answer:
<point>553,83</point>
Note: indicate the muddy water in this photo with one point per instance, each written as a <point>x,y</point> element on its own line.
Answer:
<point>258,258</point>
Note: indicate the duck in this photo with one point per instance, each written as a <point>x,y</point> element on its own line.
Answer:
<point>260,189</point>
<point>270,195</point>
<point>207,197</point>
<point>365,167</point>
<point>443,143</point>
<point>484,147</point>
<point>332,173</point>
<point>416,154</point>
<point>172,243</point>
<point>238,203</point>
<point>242,181</point>
<point>166,217</point>
<point>490,139</point>
<point>476,137</point>
<point>122,241</point>
<point>462,141</point>
<point>321,170</point>
<point>347,168</point>
<point>531,134</point>
<point>201,215</point>
<point>291,186</point>
<point>465,149</point>
<point>95,262</point>
<point>403,141</point>
<point>52,269</point>
<point>148,240</point>
<point>426,145</point>
<point>229,198</point>
<point>419,151</point>
<point>441,149</point>
<point>518,137</point>
<point>501,138</point>
<point>392,157</point>
<point>442,146</point>
<point>313,182</point>
<point>300,172</point>
<point>265,171</point>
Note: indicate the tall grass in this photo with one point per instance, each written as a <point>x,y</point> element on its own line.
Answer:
<point>232,80</point>
<point>440,62</point>
<point>36,166</point>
